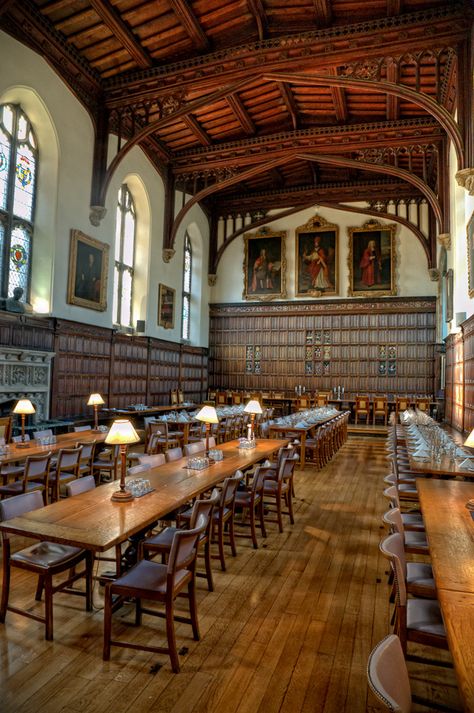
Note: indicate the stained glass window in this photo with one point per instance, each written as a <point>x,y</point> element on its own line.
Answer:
<point>125,229</point>
<point>187,269</point>
<point>18,171</point>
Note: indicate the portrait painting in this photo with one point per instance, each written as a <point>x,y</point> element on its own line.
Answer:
<point>166,301</point>
<point>264,265</point>
<point>316,258</point>
<point>372,260</point>
<point>470,255</point>
<point>88,269</point>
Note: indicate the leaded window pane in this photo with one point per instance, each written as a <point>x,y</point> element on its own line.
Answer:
<point>186,315</point>
<point>5,150</point>
<point>25,174</point>
<point>129,239</point>
<point>126,306</point>
<point>2,244</point>
<point>19,262</point>
<point>116,292</point>
<point>124,257</point>
<point>7,118</point>
<point>118,232</point>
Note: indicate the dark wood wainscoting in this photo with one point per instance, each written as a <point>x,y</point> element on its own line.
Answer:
<point>459,392</point>
<point>124,369</point>
<point>385,345</point>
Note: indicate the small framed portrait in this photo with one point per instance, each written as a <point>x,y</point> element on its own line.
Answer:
<point>316,258</point>
<point>166,300</point>
<point>470,255</point>
<point>449,277</point>
<point>372,260</point>
<point>264,265</point>
<point>88,271</point>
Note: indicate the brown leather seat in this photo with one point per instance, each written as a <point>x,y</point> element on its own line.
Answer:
<point>46,559</point>
<point>34,477</point>
<point>163,583</point>
<point>280,490</point>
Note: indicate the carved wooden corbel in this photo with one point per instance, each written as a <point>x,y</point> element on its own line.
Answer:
<point>211,279</point>
<point>433,272</point>
<point>465,179</point>
<point>97,214</point>
<point>445,240</point>
<point>168,254</point>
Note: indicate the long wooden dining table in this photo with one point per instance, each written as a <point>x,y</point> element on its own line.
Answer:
<point>287,430</point>
<point>450,532</point>
<point>15,452</point>
<point>93,521</point>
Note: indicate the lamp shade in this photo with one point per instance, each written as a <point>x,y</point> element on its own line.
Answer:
<point>470,440</point>
<point>24,406</point>
<point>253,406</point>
<point>95,400</point>
<point>122,433</point>
<point>207,414</point>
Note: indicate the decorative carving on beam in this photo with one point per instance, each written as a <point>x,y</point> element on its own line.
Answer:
<point>433,273</point>
<point>258,13</point>
<point>465,179</point>
<point>241,114</point>
<point>97,214</point>
<point>122,32</point>
<point>327,45</point>
<point>445,240</point>
<point>168,254</point>
<point>187,17</point>
<point>323,12</point>
<point>197,130</point>
<point>393,103</point>
<point>290,103</point>
<point>211,279</point>
<point>389,156</point>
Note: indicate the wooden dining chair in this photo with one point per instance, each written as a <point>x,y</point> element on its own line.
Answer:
<point>45,559</point>
<point>5,428</point>
<point>163,583</point>
<point>64,470</point>
<point>173,454</point>
<point>87,457</point>
<point>278,491</point>
<point>106,467</point>
<point>251,501</point>
<point>34,477</point>
<point>387,675</point>
<point>415,542</point>
<point>81,485</point>
<point>152,461</point>
<point>380,409</point>
<point>362,408</point>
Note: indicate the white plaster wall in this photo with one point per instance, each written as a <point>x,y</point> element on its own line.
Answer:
<point>411,273</point>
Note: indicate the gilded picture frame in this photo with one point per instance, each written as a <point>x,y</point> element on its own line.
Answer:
<point>166,306</point>
<point>264,265</point>
<point>470,255</point>
<point>372,260</point>
<point>449,277</point>
<point>88,272</point>
<point>317,258</point>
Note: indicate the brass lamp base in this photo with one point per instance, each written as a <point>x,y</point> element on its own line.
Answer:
<point>122,496</point>
<point>23,444</point>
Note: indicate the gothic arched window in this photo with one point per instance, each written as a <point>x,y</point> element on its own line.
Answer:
<point>125,230</point>
<point>187,269</point>
<point>18,171</point>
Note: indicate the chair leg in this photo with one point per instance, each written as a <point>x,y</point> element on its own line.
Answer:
<point>39,588</point>
<point>193,609</point>
<point>232,536</point>
<point>170,634</point>
<point>252,527</point>
<point>220,541</point>
<point>280,520</point>
<point>290,505</point>
<point>107,621</point>
<point>207,563</point>
<point>89,573</point>
<point>5,580</point>
<point>48,606</point>
<point>262,518</point>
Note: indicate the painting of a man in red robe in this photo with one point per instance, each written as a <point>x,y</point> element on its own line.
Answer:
<point>316,260</point>
<point>371,265</point>
<point>318,266</point>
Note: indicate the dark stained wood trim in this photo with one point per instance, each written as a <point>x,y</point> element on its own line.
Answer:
<point>394,7</point>
<point>188,19</point>
<point>323,11</point>
<point>122,31</point>
<point>290,103</point>
<point>4,5</point>
<point>257,11</point>
<point>197,130</point>
<point>339,100</point>
<point>169,206</point>
<point>241,114</point>
<point>393,103</point>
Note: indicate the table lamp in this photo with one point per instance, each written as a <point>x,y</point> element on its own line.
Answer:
<point>253,407</point>
<point>96,400</point>
<point>122,434</point>
<point>23,407</point>
<point>207,415</point>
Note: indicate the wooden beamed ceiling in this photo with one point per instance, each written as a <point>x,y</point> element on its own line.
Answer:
<point>233,63</point>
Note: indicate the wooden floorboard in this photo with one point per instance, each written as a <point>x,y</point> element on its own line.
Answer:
<point>288,629</point>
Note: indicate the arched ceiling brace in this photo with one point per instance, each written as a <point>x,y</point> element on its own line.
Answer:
<point>249,173</point>
<point>382,168</point>
<point>169,118</point>
<point>326,204</point>
<point>398,90</point>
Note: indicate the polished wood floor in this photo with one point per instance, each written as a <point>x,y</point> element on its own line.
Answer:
<point>289,627</point>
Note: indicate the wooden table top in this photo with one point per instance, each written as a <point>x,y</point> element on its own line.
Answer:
<point>458,608</point>
<point>450,531</point>
<point>147,411</point>
<point>65,440</point>
<point>92,520</point>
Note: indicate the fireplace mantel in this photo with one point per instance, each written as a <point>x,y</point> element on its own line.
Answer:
<point>26,373</point>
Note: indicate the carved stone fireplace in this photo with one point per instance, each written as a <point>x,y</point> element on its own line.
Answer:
<point>26,374</point>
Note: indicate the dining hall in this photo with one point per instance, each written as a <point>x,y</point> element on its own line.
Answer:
<point>236,356</point>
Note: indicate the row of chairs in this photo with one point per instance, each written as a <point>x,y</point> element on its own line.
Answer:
<point>327,440</point>
<point>417,615</point>
<point>378,406</point>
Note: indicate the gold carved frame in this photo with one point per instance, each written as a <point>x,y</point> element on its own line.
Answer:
<point>264,265</point>
<point>372,260</point>
<point>88,272</point>
<point>166,306</point>
<point>317,258</point>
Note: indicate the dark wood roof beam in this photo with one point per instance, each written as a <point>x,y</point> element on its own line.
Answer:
<point>277,177</point>
<point>122,32</point>
<point>190,23</point>
<point>57,5</point>
<point>339,100</point>
<point>393,102</point>
<point>197,130</point>
<point>289,102</point>
<point>323,12</point>
<point>394,7</point>
<point>258,13</point>
<point>241,114</point>
<point>4,5</point>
